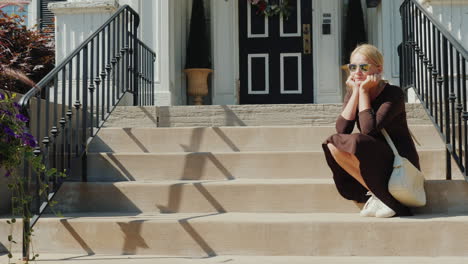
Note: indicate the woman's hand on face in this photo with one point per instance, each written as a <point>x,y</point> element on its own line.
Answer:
<point>370,82</point>
<point>351,83</point>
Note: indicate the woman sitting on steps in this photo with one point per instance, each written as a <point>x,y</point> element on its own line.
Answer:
<point>363,162</point>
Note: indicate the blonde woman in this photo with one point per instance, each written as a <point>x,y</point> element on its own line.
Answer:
<point>362,162</point>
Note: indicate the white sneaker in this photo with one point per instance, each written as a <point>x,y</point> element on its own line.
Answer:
<point>384,211</point>
<point>371,206</point>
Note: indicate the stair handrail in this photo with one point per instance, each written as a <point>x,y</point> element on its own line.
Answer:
<point>443,30</point>
<point>26,97</point>
<point>430,55</point>
<point>92,88</point>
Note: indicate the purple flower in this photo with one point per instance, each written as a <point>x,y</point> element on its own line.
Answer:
<point>2,96</point>
<point>8,113</point>
<point>22,118</point>
<point>9,131</point>
<point>15,104</point>
<point>8,173</point>
<point>29,140</point>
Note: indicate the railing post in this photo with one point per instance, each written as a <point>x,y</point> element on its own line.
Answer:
<point>26,174</point>
<point>136,88</point>
<point>448,163</point>
<point>85,113</point>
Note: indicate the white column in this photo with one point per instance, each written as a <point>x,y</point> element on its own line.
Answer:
<point>32,13</point>
<point>326,52</point>
<point>391,39</point>
<point>225,51</point>
<point>157,35</point>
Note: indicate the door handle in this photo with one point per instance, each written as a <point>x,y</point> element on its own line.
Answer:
<point>306,40</point>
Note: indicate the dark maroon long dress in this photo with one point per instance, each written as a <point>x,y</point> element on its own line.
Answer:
<point>370,147</point>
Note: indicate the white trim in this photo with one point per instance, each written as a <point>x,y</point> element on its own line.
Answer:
<point>299,72</point>
<point>267,72</point>
<point>225,52</point>
<point>298,33</point>
<point>249,25</point>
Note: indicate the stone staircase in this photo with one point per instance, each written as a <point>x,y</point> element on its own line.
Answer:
<point>259,193</point>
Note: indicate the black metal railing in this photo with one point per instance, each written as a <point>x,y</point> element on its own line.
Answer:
<point>70,104</point>
<point>434,64</point>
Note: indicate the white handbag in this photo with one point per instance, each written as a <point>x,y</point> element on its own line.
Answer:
<point>406,182</point>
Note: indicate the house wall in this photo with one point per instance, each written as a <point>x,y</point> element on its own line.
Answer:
<point>76,21</point>
<point>165,25</point>
<point>384,27</point>
<point>384,31</point>
<point>453,15</point>
<point>162,28</point>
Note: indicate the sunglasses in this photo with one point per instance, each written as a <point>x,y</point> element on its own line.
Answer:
<point>354,67</point>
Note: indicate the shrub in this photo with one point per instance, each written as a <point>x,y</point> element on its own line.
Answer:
<point>198,53</point>
<point>23,50</point>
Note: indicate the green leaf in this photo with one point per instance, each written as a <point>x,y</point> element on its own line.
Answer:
<point>51,172</point>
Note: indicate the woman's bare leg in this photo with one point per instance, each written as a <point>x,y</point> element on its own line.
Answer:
<point>348,162</point>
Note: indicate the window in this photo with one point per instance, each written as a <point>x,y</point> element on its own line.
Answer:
<point>19,8</point>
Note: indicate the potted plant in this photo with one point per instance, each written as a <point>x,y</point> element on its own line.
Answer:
<point>198,64</point>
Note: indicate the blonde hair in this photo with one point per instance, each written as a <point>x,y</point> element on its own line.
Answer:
<point>369,51</point>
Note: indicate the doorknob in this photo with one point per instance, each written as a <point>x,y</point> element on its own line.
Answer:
<point>306,39</point>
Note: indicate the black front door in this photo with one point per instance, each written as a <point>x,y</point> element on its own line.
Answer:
<point>275,55</point>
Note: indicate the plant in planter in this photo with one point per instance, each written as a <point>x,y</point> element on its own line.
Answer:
<point>198,64</point>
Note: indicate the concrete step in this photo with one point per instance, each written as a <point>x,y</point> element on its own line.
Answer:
<point>155,259</point>
<point>229,165</point>
<point>230,139</point>
<point>257,234</point>
<point>240,195</point>
<point>239,115</point>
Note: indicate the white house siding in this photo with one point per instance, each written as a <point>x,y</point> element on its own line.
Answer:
<point>75,21</point>
<point>453,15</point>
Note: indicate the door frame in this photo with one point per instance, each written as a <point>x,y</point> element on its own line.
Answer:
<point>225,52</point>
